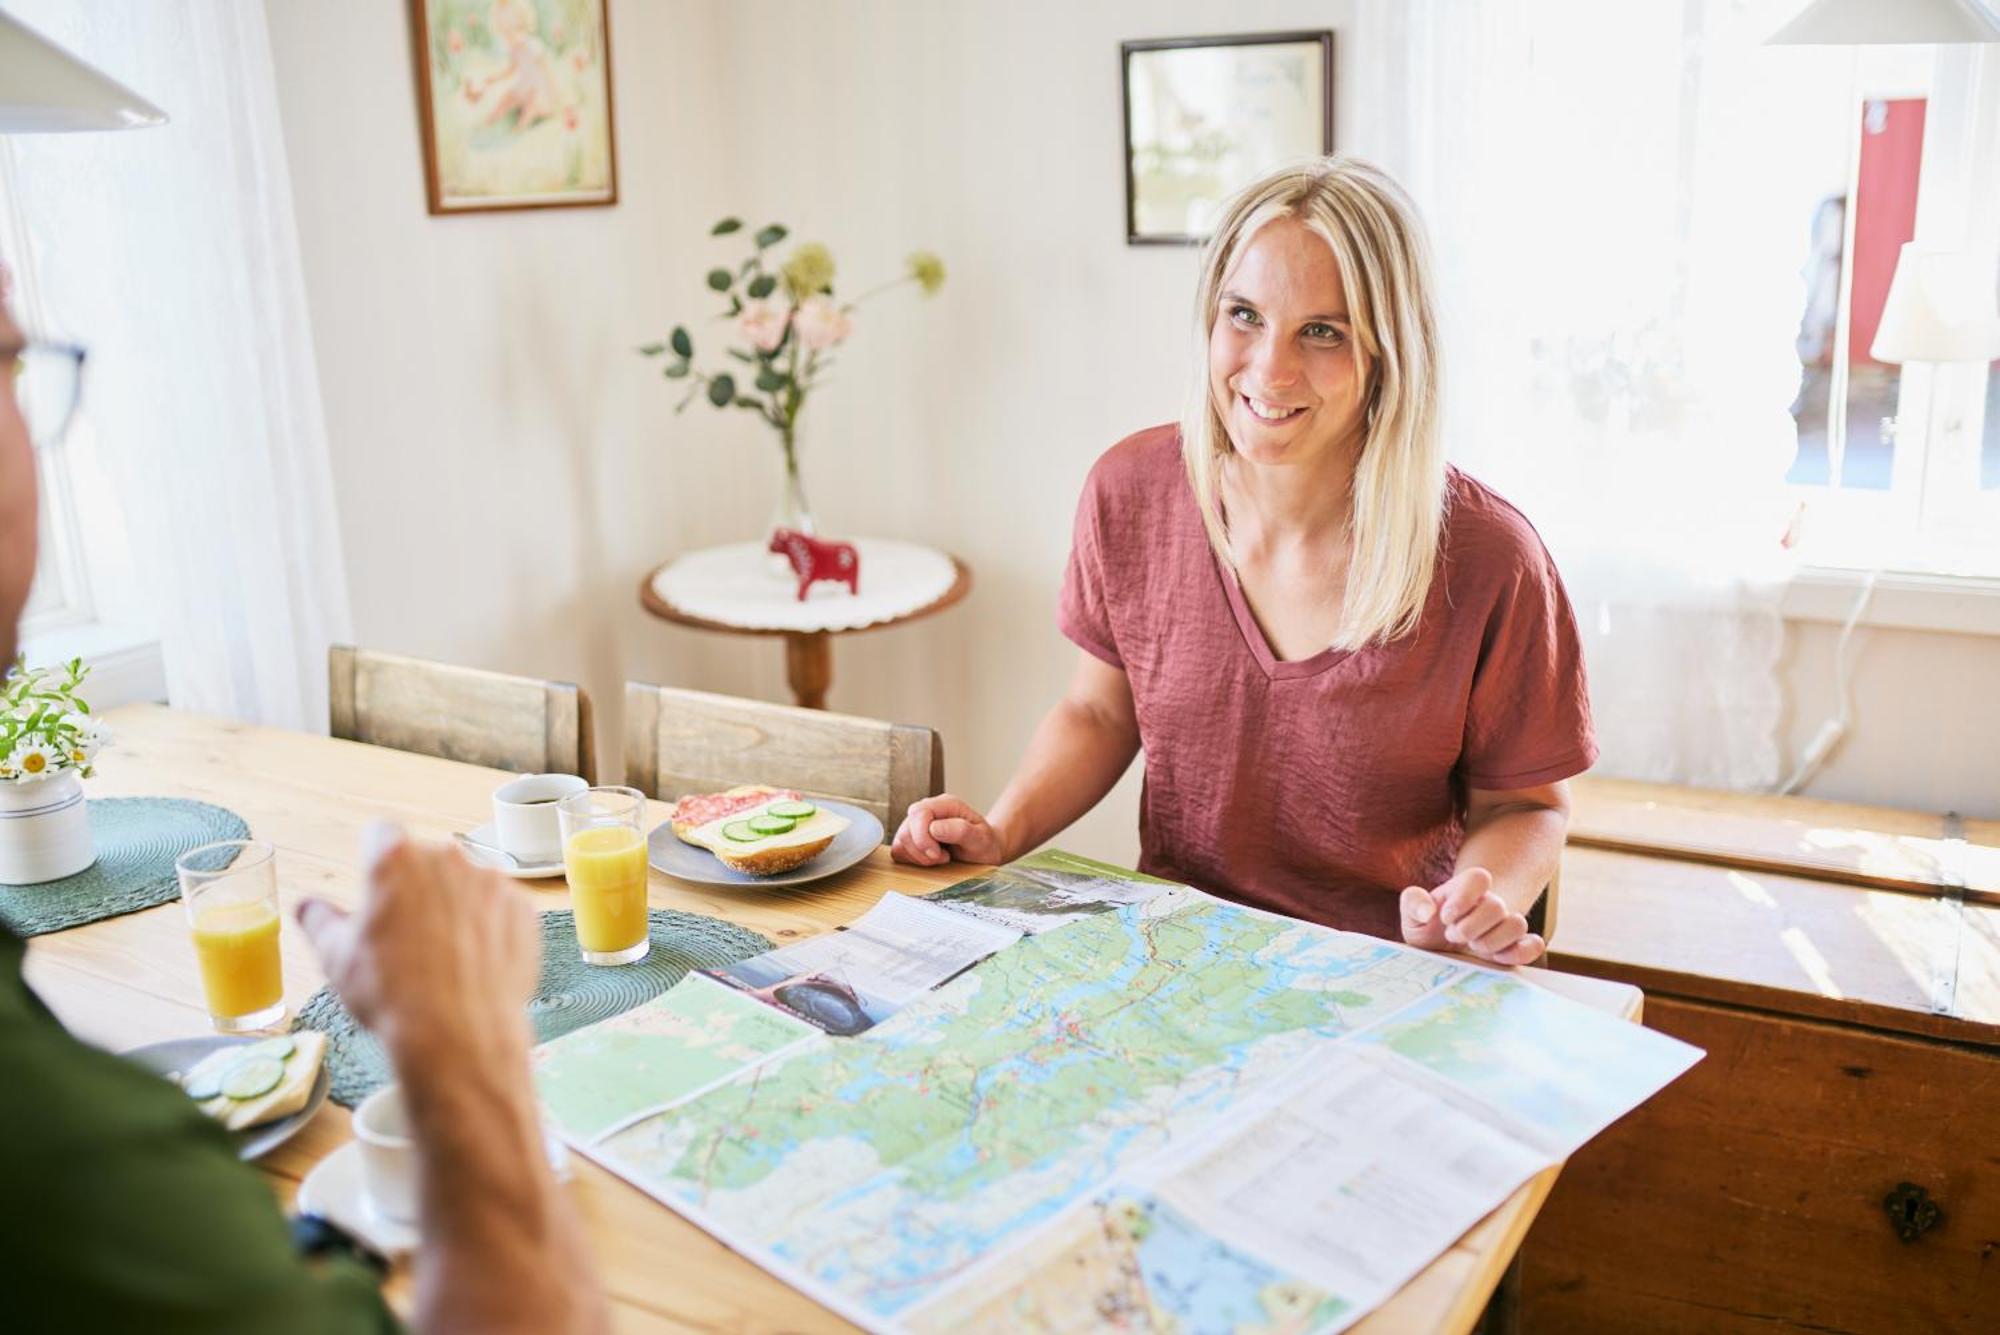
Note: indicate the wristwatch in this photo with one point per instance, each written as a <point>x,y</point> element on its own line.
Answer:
<point>316,1236</point>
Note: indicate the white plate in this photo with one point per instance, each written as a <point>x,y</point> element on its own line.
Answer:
<point>490,834</point>
<point>332,1190</point>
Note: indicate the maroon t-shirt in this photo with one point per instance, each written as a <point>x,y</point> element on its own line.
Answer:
<point>1322,786</point>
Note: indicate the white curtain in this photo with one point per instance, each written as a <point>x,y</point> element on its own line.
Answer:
<point>172,255</point>
<point>1621,201</point>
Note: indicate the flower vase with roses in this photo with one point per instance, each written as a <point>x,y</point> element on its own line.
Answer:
<point>789,322</point>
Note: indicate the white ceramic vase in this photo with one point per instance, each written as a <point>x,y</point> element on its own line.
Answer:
<point>44,830</point>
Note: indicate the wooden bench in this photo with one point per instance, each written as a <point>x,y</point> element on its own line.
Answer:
<point>1834,1163</point>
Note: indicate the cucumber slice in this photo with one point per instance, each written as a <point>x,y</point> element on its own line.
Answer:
<point>249,1079</point>
<point>202,1088</point>
<point>740,831</point>
<point>768,824</point>
<point>793,811</point>
<point>277,1049</point>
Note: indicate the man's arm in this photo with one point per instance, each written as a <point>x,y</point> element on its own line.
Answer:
<point>439,962</point>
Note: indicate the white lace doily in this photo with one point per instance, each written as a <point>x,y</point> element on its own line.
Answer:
<point>737,586</point>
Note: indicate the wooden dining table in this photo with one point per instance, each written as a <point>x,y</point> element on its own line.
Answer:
<point>130,980</point>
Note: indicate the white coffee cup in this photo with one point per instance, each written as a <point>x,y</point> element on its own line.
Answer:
<point>524,816</point>
<point>388,1155</point>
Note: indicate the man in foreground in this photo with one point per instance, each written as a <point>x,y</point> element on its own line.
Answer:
<point>123,1207</point>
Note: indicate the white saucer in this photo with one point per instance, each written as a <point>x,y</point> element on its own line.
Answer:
<point>489,834</point>
<point>332,1190</point>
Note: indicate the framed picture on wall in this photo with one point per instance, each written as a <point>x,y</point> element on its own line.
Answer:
<point>515,97</point>
<point>1205,116</point>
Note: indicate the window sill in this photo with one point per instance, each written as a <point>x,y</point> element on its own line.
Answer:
<point>1953,604</point>
<point>125,663</point>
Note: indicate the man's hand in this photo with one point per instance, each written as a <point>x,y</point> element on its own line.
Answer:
<point>440,952</point>
<point>938,829</point>
<point>1465,914</point>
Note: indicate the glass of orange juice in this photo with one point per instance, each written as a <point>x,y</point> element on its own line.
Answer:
<point>604,854</point>
<point>230,890</point>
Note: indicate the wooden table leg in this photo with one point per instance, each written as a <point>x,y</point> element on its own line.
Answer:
<point>809,667</point>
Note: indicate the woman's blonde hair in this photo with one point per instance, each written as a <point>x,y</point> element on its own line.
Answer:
<point>1399,481</point>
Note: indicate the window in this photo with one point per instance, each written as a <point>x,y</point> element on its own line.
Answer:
<point>83,601</point>
<point>1899,466</point>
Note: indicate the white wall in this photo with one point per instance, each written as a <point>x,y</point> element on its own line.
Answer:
<point>508,470</point>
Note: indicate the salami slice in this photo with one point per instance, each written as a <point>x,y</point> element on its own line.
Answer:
<point>698,809</point>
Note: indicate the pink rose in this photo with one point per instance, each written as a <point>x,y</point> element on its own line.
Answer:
<point>822,324</point>
<point>763,323</point>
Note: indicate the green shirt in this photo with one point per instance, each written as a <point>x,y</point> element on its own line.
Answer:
<point>124,1208</point>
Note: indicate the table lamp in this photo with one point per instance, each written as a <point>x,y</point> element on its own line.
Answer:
<point>1940,310</point>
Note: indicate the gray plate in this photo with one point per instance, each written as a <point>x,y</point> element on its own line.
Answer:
<point>862,836</point>
<point>252,1142</point>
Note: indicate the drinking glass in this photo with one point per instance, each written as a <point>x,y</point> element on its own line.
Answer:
<point>230,890</point>
<point>604,854</point>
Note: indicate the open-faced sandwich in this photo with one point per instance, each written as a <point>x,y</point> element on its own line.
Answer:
<point>760,831</point>
<point>699,809</point>
<point>247,1084</point>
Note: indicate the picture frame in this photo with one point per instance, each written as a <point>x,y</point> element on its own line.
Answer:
<point>1204,116</point>
<point>516,104</point>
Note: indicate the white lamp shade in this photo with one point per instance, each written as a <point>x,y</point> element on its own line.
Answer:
<point>1941,308</point>
<point>43,88</point>
<point>1887,23</point>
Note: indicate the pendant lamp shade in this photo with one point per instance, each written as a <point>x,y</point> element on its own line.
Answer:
<point>44,88</point>
<point>1888,23</point>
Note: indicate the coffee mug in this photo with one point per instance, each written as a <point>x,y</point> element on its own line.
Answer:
<point>524,816</point>
<point>388,1155</point>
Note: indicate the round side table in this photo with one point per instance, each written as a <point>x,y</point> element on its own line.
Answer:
<point>735,589</point>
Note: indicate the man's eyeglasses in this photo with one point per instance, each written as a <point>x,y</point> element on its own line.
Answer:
<point>48,379</point>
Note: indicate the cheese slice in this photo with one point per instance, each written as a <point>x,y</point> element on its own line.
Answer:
<point>773,853</point>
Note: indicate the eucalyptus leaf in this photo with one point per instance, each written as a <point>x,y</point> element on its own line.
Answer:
<point>742,356</point>
<point>743,402</point>
<point>770,381</point>
<point>726,226</point>
<point>682,344</point>
<point>676,372</point>
<point>652,349</point>
<point>761,285</point>
<point>720,279</point>
<point>722,389</point>
<point>771,236</point>
<point>735,305</point>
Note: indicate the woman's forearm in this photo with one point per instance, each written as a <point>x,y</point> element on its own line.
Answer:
<point>1075,757</point>
<point>1520,844</point>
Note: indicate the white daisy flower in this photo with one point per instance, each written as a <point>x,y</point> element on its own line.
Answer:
<point>33,761</point>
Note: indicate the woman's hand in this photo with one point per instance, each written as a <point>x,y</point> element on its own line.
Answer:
<point>1465,914</point>
<point>938,829</point>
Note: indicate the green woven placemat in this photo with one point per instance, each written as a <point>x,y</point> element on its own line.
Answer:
<point>570,995</point>
<point>137,840</point>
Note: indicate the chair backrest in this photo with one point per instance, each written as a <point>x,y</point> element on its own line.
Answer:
<point>522,724</point>
<point>679,742</point>
<point>1541,914</point>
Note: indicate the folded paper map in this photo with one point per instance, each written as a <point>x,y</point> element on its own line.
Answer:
<point>1160,1105</point>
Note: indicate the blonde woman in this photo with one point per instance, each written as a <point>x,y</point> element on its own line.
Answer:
<point>1352,668</point>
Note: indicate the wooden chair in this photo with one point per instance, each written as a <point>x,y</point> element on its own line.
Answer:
<point>522,724</point>
<point>1541,914</point>
<point>679,742</point>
